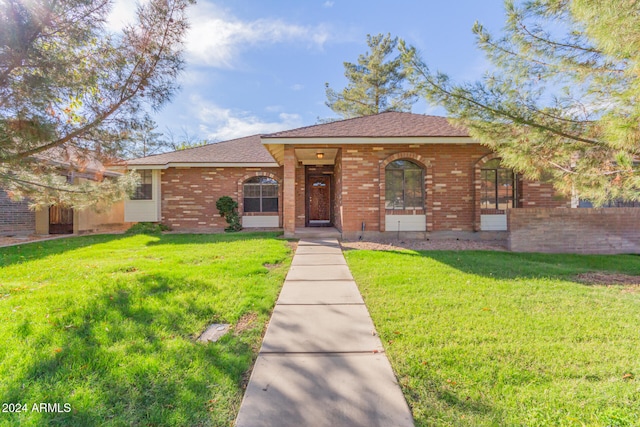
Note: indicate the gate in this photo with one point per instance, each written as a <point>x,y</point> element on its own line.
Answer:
<point>60,220</point>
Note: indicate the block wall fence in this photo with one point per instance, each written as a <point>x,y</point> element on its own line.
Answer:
<point>582,231</point>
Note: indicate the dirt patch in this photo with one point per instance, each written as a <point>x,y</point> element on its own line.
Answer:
<point>271,266</point>
<point>425,245</point>
<point>599,278</point>
<point>246,322</point>
<point>293,245</point>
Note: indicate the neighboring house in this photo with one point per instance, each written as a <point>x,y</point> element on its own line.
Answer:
<point>388,172</point>
<point>17,218</point>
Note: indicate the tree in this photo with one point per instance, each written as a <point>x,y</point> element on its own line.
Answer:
<point>376,83</point>
<point>561,102</point>
<point>66,82</point>
<point>143,141</point>
<point>185,140</point>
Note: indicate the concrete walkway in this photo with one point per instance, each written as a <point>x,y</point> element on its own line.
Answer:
<point>321,362</point>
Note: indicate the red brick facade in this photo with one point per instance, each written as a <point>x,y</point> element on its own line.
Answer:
<point>530,193</point>
<point>189,195</point>
<point>451,188</point>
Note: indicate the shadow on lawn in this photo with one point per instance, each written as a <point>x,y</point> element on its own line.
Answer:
<point>38,250</point>
<point>41,249</point>
<point>510,265</point>
<point>188,239</point>
<point>128,357</point>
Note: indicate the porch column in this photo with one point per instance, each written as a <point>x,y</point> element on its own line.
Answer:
<point>289,192</point>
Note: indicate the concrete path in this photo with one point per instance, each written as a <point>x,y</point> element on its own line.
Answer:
<point>321,362</point>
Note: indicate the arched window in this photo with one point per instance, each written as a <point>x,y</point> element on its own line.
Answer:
<point>260,194</point>
<point>404,185</point>
<point>498,186</point>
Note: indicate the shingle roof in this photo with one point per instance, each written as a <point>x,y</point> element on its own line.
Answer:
<point>242,150</point>
<point>389,124</point>
<point>251,150</point>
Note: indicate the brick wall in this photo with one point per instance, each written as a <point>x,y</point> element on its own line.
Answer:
<point>584,231</point>
<point>452,188</point>
<point>337,192</point>
<point>15,217</point>
<point>290,186</point>
<point>449,175</point>
<point>540,195</point>
<point>300,196</point>
<point>529,193</point>
<point>189,195</point>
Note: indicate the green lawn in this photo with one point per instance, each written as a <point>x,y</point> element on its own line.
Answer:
<point>107,324</point>
<point>503,339</point>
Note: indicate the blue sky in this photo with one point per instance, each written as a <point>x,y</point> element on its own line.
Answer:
<point>256,66</point>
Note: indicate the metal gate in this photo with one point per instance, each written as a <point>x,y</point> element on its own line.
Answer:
<point>60,220</point>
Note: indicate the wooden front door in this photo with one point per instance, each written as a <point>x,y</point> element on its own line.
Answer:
<point>60,220</point>
<point>319,201</point>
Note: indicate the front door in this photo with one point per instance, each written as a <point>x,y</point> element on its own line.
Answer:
<point>319,201</point>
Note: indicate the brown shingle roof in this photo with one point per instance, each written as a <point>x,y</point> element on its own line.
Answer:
<point>242,150</point>
<point>251,150</point>
<point>389,124</point>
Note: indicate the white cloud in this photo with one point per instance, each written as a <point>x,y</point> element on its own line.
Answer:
<point>122,13</point>
<point>220,124</point>
<point>216,38</point>
<point>328,4</point>
<point>297,87</point>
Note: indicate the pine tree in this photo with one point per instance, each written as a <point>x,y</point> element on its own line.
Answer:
<point>143,140</point>
<point>561,101</point>
<point>376,83</point>
<point>69,85</point>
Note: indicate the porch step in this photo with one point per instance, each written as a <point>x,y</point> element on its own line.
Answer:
<point>318,232</point>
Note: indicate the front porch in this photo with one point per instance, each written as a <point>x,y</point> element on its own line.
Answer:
<point>317,233</point>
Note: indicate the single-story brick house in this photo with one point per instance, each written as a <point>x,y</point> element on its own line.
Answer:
<point>388,172</point>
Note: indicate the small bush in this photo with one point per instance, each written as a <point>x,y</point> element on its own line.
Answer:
<point>147,228</point>
<point>227,208</point>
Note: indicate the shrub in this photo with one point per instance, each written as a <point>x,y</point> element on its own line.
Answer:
<point>228,210</point>
<point>147,228</point>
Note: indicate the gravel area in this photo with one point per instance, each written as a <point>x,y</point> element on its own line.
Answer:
<point>425,245</point>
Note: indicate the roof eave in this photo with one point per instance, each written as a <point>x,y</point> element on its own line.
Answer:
<point>339,140</point>
<point>203,165</point>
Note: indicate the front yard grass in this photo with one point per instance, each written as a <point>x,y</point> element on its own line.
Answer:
<point>502,339</point>
<point>107,324</point>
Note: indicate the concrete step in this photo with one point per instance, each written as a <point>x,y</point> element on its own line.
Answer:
<point>317,233</point>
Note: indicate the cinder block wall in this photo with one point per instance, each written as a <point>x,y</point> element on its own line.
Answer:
<point>583,231</point>
<point>15,217</point>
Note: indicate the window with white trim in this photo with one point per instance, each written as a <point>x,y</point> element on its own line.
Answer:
<point>260,194</point>
<point>144,190</point>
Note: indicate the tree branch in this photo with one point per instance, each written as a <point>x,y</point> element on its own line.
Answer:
<point>502,113</point>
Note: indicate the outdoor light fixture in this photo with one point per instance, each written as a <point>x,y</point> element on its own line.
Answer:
<point>320,155</point>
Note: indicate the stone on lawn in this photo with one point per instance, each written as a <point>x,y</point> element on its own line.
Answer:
<point>214,332</point>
